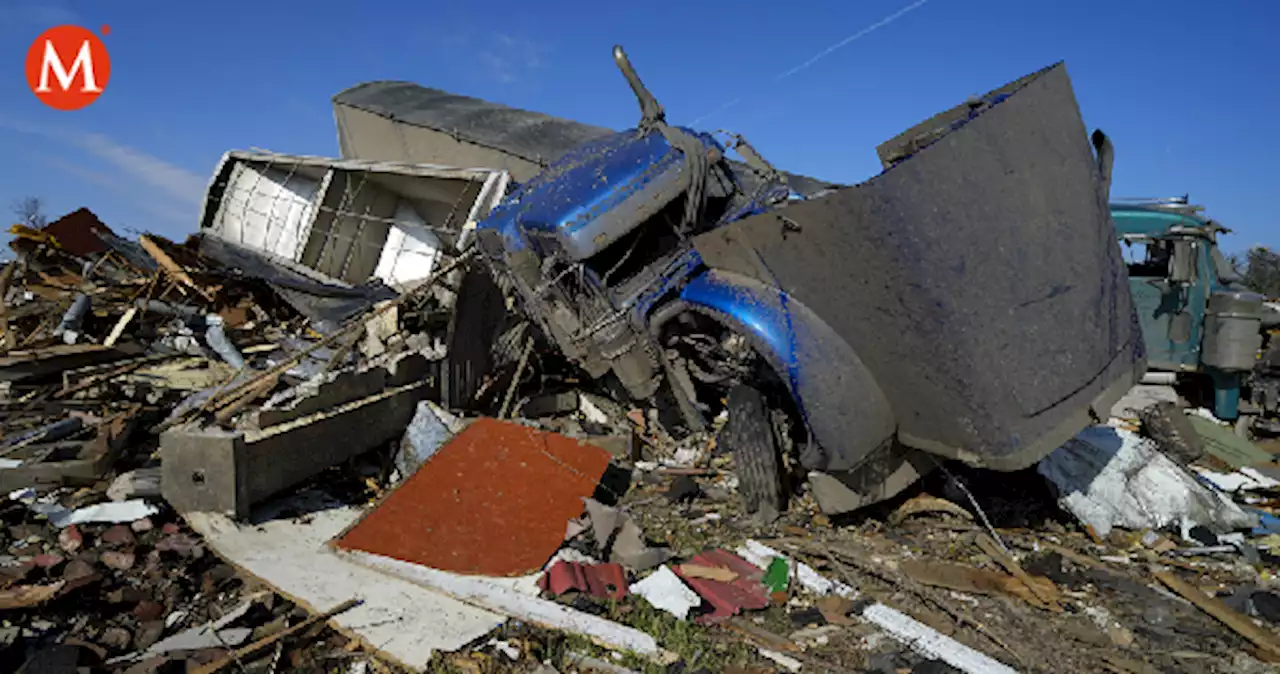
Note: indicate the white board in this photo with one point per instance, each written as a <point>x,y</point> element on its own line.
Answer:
<point>404,621</point>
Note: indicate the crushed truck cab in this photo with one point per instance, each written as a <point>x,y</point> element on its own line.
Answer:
<point>969,302</point>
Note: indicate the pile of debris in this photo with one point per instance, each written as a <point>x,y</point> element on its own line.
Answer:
<point>104,341</point>
<point>208,463</point>
<point>127,364</point>
<point>313,435</point>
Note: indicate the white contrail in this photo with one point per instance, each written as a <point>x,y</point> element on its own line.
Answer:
<point>824,53</point>
<point>717,111</point>
<point>869,29</point>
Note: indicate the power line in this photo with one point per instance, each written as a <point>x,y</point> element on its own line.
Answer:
<point>823,54</point>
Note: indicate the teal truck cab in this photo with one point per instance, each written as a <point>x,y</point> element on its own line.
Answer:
<point>1198,320</point>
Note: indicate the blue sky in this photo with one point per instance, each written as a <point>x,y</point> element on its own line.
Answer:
<point>1188,90</point>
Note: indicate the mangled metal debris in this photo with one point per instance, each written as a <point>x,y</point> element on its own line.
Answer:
<point>690,290</point>
<point>348,221</point>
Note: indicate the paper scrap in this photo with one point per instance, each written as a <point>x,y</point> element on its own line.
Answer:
<point>666,591</point>
<point>785,661</point>
<point>115,512</point>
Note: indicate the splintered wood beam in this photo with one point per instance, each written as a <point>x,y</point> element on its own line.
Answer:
<point>173,269</point>
<point>1238,622</point>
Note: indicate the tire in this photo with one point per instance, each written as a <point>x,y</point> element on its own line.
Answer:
<point>748,434</point>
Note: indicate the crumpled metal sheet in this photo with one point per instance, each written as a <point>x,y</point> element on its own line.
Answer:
<point>1110,477</point>
<point>727,599</point>
<point>980,282</point>
<point>623,538</point>
<point>325,305</point>
<point>605,581</point>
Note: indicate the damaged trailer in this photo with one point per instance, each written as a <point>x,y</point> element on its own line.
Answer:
<point>334,236</point>
<point>935,309</point>
<point>347,222</point>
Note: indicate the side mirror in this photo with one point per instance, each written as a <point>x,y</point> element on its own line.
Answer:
<point>1182,263</point>
<point>1106,156</point>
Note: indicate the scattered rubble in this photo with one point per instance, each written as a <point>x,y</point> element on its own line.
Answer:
<point>287,444</point>
<point>1112,477</point>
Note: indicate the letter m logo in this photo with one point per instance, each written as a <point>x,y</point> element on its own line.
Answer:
<point>68,67</point>
<point>83,64</point>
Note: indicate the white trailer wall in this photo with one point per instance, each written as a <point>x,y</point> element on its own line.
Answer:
<point>267,208</point>
<point>349,220</point>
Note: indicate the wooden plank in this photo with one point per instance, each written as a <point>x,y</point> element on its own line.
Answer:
<point>246,652</point>
<point>231,390</point>
<point>173,269</point>
<point>486,593</point>
<point>1239,623</point>
<point>120,326</point>
<point>404,622</point>
<point>1049,598</point>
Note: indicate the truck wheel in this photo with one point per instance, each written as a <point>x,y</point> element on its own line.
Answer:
<point>749,435</point>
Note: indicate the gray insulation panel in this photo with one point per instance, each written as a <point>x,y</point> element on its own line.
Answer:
<point>980,280</point>
<point>521,134</point>
<point>532,136</point>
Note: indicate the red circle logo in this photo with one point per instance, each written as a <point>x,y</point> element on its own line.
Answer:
<point>68,67</point>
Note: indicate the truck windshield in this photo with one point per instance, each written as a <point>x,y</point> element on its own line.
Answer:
<point>1153,261</point>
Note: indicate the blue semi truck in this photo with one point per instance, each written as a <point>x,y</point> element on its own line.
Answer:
<point>969,302</point>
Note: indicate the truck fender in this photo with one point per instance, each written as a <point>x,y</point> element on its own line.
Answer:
<point>844,408</point>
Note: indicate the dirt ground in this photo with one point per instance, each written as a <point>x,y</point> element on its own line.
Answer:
<point>1110,613</point>
<point>1102,609</point>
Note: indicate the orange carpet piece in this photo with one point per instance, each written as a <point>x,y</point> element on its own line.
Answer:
<point>492,501</point>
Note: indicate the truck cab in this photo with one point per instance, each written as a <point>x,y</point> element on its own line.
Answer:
<point>1197,318</point>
